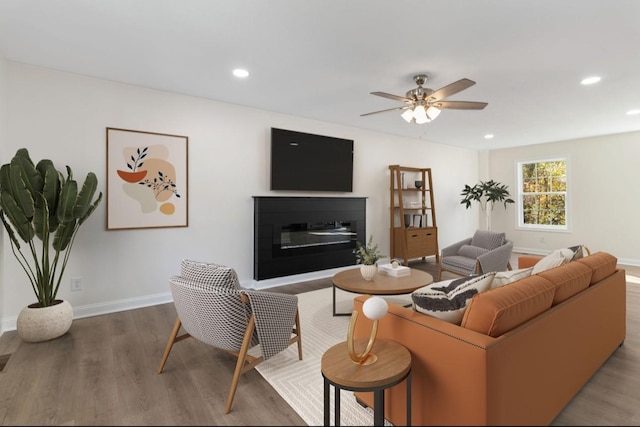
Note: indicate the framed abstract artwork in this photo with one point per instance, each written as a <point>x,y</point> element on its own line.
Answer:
<point>147,180</point>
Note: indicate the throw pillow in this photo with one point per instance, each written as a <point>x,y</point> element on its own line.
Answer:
<point>554,259</point>
<point>504,277</point>
<point>469,251</point>
<point>578,251</point>
<point>448,299</point>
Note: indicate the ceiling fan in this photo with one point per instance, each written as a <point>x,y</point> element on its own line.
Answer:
<point>424,104</point>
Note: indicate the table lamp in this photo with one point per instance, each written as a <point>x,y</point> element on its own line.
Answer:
<point>374,308</point>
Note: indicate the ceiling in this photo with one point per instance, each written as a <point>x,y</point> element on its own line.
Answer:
<point>321,59</point>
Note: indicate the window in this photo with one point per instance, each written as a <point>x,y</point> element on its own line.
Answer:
<point>542,194</point>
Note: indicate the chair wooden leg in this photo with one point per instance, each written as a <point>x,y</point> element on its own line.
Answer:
<point>172,339</point>
<point>242,355</point>
<point>299,334</point>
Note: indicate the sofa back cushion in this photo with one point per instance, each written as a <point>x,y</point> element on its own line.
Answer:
<point>499,310</point>
<point>602,265</point>
<point>488,239</point>
<point>569,279</point>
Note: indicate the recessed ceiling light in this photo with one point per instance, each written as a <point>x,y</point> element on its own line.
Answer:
<point>590,80</point>
<point>488,136</point>
<point>239,72</point>
<point>633,112</point>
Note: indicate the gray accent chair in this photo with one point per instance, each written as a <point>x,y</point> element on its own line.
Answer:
<point>486,251</point>
<point>213,308</point>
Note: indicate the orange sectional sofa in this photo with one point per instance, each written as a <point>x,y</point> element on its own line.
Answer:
<point>520,354</point>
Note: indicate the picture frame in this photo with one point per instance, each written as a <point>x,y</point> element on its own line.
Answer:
<point>147,179</point>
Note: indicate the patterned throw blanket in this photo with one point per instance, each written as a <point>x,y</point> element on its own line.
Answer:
<point>275,316</point>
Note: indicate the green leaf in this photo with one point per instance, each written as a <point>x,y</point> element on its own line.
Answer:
<point>41,218</point>
<point>16,217</point>
<point>83,202</point>
<point>63,235</point>
<point>67,201</point>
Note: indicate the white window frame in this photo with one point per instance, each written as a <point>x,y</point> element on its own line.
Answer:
<point>520,198</point>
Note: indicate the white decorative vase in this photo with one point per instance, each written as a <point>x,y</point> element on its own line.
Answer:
<point>368,271</point>
<point>37,324</point>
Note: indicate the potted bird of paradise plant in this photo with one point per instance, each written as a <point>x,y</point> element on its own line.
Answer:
<point>42,211</point>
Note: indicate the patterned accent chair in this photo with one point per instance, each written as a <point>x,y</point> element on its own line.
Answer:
<point>213,308</point>
<point>486,251</point>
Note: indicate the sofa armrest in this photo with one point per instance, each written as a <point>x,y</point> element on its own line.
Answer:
<point>526,261</point>
<point>455,247</point>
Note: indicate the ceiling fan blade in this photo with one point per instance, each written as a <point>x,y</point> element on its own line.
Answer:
<point>451,89</point>
<point>383,111</point>
<point>460,105</point>
<point>391,96</point>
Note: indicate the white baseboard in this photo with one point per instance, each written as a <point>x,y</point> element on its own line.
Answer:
<point>297,278</point>
<point>9,324</point>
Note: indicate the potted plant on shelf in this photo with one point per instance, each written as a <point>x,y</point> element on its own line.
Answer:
<point>487,193</point>
<point>367,256</point>
<point>44,210</point>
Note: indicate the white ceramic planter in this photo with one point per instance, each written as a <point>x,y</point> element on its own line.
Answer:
<point>37,324</point>
<point>368,271</point>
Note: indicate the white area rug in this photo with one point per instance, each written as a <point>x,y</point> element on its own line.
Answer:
<point>300,383</point>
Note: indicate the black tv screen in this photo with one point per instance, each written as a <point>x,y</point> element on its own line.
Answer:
<point>308,162</point>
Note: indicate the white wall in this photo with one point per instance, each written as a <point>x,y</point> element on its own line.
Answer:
<point>604,174</point>
<point>3,156</point>
<point>63,117</point>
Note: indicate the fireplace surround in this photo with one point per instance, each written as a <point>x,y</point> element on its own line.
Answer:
<point>295,235</point>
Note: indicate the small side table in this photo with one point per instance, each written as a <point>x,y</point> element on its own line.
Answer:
<point>392,367</point>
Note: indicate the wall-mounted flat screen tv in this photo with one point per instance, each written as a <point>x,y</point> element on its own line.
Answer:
<point>307,162</point>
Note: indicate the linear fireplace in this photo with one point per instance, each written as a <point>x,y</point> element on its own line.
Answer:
<point>294,235</point>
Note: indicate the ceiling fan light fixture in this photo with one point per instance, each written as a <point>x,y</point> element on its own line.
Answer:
<point>407,115</point>
<point>420,114</point>
<point>433,112</point>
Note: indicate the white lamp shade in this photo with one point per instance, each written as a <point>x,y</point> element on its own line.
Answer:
<point>407,115</point>
<point>420,114</point>
<point>375,308</point>
<point>433,112</point>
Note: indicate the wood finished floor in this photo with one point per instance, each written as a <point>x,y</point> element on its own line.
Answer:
<point>103,372</point>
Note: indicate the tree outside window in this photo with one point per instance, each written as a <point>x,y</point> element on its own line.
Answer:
<point>542,194</point>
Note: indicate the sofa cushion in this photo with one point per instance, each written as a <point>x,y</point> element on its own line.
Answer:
<point>499,310</point>
<point>216,275</point>
<point>488,239</point>
<point>471,251</point>
<point>504,277</point>
<point>569,279</point>
<point>602,265</point>
<point>448,299</point>
<point>554,259</point>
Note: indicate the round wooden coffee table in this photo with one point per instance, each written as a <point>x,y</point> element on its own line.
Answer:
<point>352,281</point>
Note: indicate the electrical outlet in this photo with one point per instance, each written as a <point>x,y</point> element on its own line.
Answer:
<point>76,283</point>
